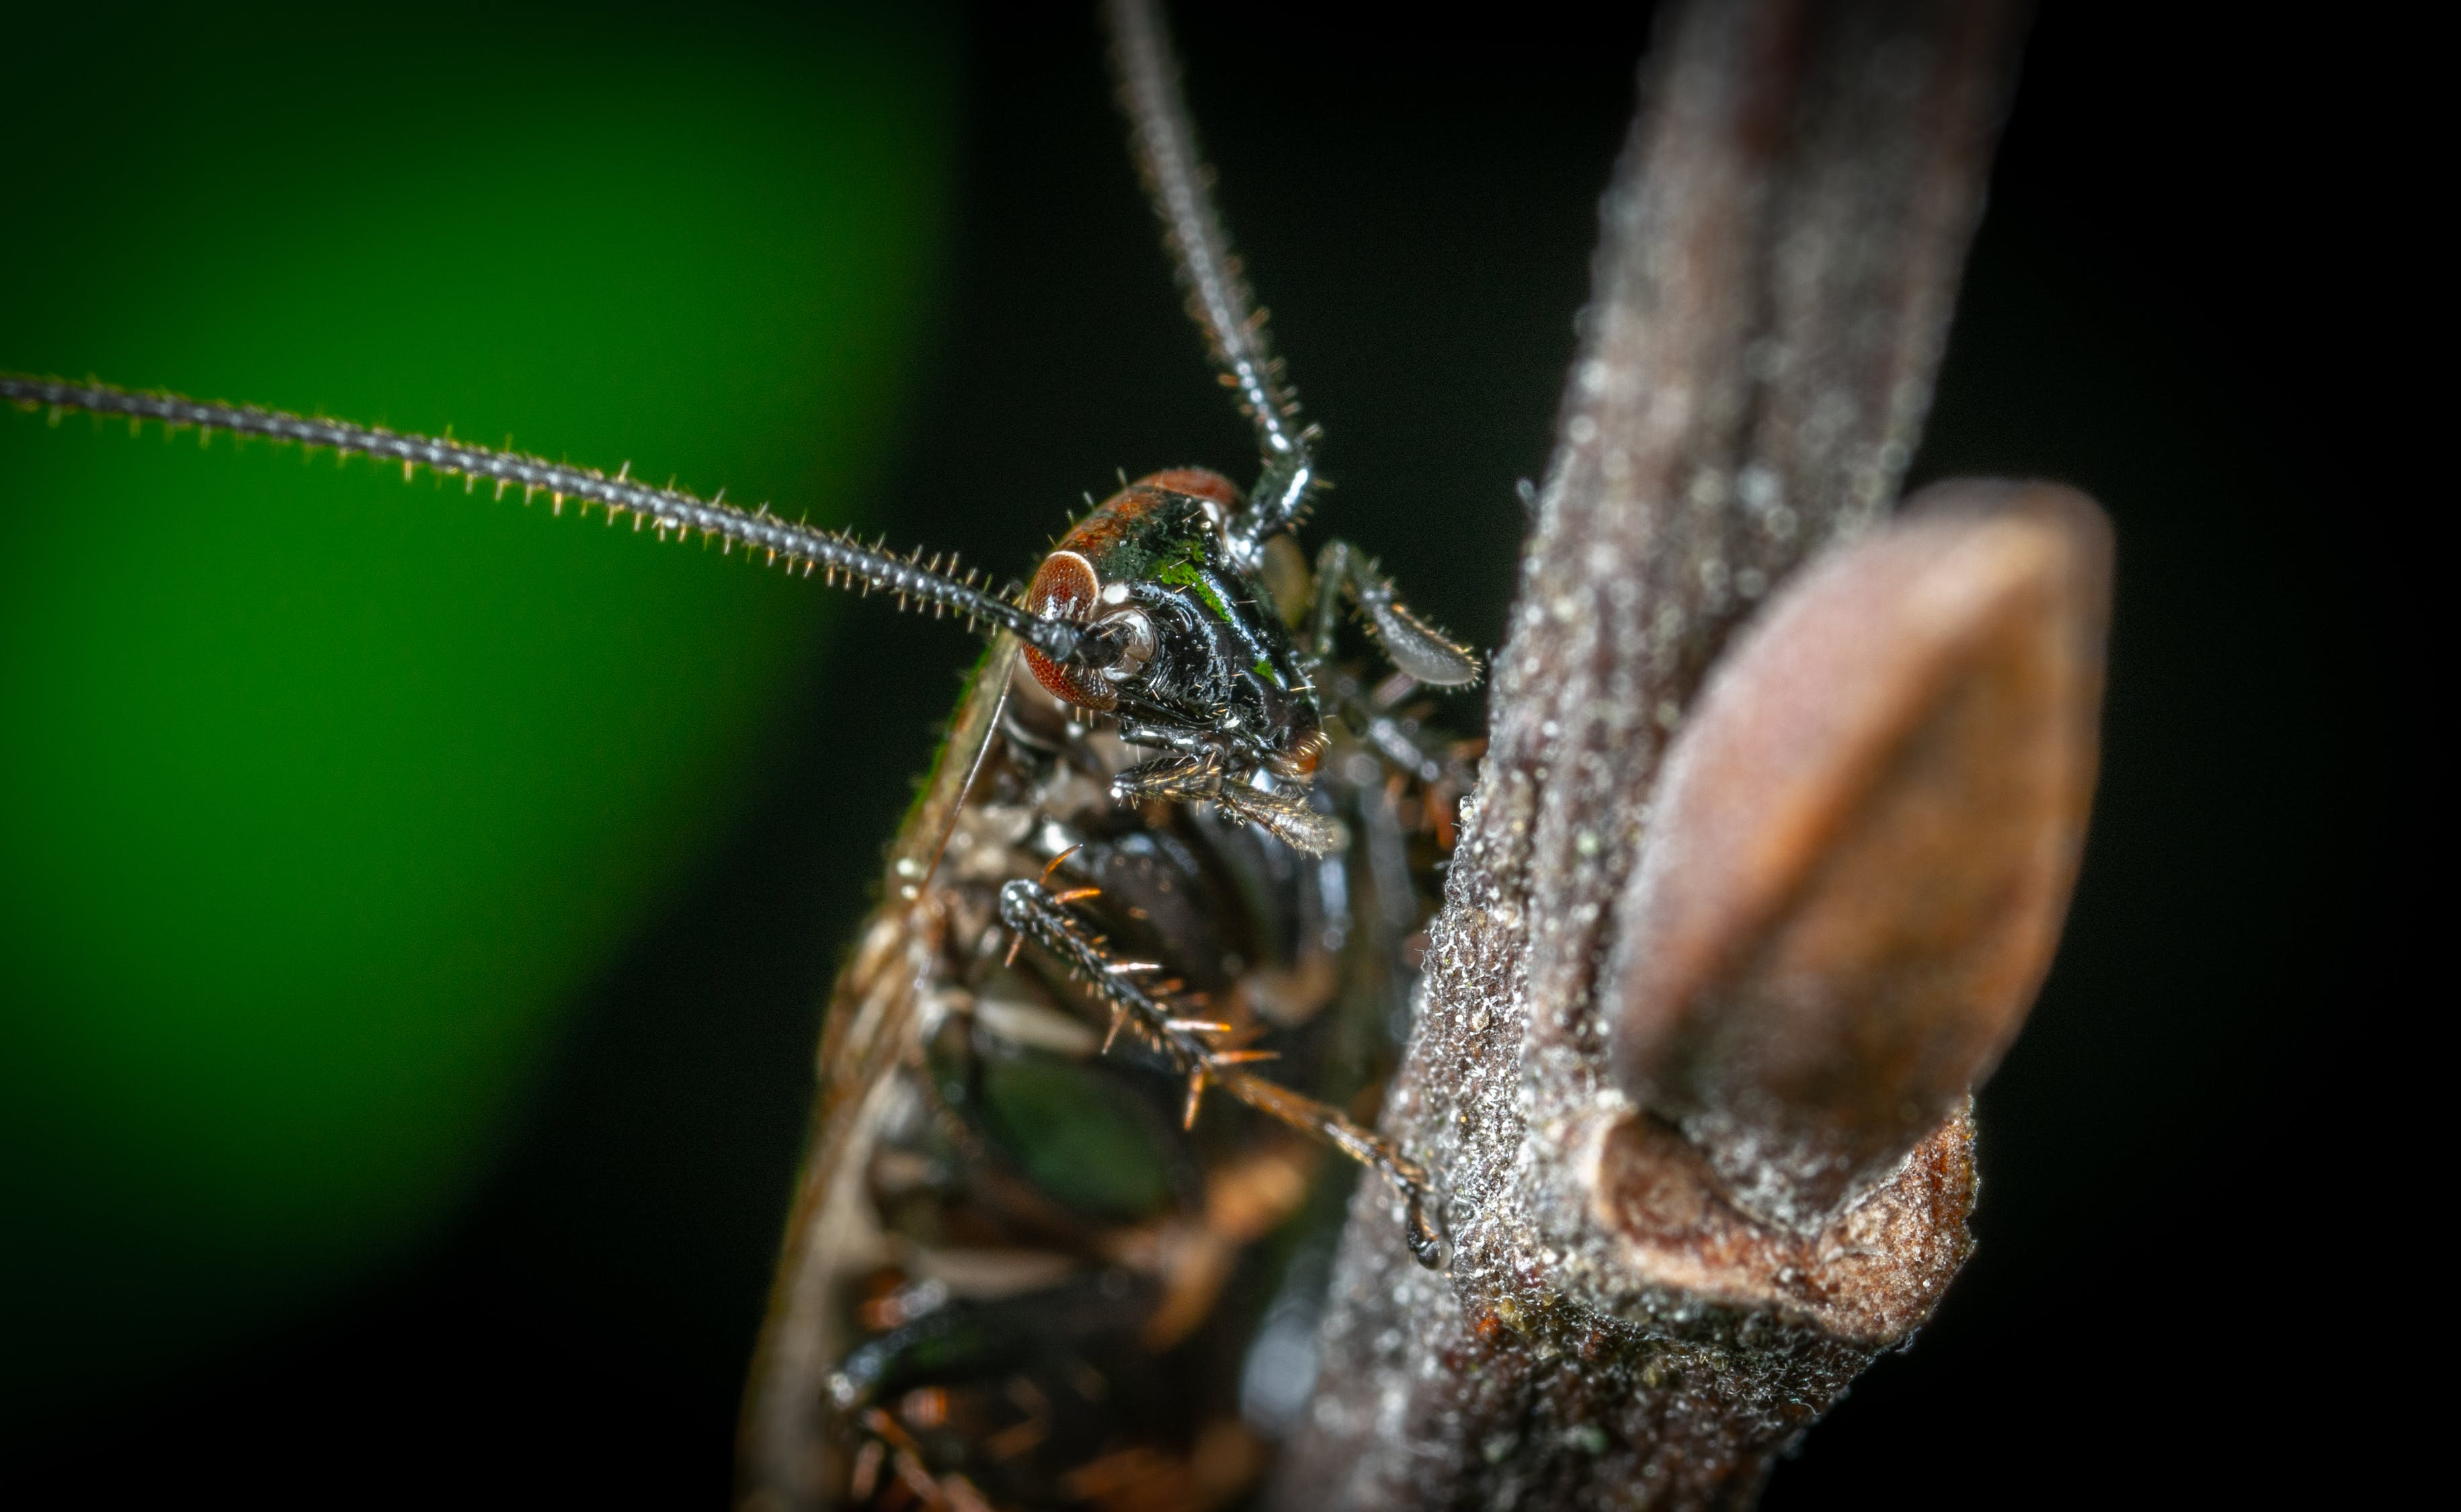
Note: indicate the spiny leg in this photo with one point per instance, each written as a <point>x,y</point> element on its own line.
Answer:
<point>1029,909</point>
<point>1413,645</point>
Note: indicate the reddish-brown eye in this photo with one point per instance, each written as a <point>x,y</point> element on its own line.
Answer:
<point>1064,587</point>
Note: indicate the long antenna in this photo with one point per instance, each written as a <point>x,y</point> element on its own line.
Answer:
<point>834,555</point>
<point>1178,182</point>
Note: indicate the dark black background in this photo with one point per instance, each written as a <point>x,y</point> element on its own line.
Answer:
<point>2152,314</point>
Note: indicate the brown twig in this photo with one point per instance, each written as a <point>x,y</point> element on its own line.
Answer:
<point>1654,1289</point>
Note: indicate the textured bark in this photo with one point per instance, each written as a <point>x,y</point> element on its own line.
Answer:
<point>1778,261</point>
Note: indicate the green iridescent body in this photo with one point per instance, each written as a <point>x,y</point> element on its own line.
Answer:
<point>1211,669</point>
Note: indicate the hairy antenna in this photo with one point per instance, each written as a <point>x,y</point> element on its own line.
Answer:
<point>833,555</point>
<point>1177,181</point>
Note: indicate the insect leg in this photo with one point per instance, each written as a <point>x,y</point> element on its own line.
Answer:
<point>1284,813</point>
<point>1228,749</point>
<point>1406,744</point>
<point>1191,745</point>
<point>1171,779</point>
<point>1190,1046</point>
<point>977,1338</point>
<point>1415,645</point>
<point>1421,1224</point>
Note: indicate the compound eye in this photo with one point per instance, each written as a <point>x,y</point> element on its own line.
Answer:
<point>1064,587</point>
<point>1130,634</point>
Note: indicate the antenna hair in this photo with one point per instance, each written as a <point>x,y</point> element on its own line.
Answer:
<point>834,555</point>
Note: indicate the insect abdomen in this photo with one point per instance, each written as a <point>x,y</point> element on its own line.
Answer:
<point>1028,1275</point>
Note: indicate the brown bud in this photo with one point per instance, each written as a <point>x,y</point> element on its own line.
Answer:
<point>1863,844</point>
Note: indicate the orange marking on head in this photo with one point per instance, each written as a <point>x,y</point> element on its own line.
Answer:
<point>1199,482</point>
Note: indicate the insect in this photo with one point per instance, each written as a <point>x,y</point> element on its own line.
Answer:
<point>1174,844</point>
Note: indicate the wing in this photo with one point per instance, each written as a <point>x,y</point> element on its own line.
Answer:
<point>867,1029</point>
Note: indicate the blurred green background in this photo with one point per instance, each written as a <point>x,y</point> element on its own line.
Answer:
<point>321,795</point>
